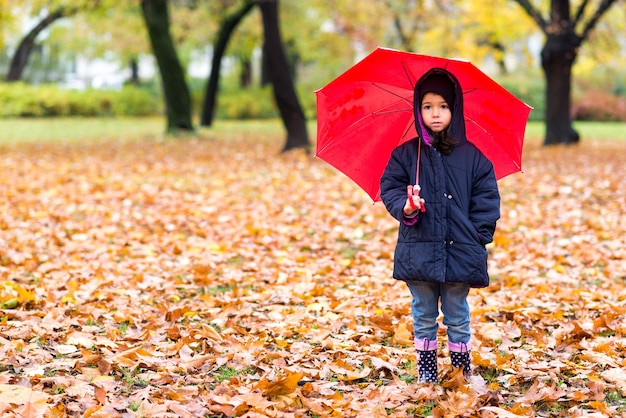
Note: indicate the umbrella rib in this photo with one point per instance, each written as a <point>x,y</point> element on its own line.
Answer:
<point>385,112</point>
<point>408,75</point>
<point>408,128</point>
<point>374,113</point>
<point>392,93</point>
<point>506,151</point>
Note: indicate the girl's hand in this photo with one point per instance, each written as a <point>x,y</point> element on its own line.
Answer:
<point>413,201</point>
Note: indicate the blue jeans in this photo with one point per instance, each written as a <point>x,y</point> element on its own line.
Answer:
<point>425,308</point>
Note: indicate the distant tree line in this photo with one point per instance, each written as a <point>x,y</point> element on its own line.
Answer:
<point>566,28</point>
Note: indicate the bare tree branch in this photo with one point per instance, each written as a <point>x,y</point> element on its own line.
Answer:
<point>580,12</point>
<point>534,14</point>
<point>22,54</point>
<point>228,25</point>
<point>602,8</point>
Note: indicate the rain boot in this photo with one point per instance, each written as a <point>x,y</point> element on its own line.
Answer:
<point>426,360</point>
<point>460,357</point>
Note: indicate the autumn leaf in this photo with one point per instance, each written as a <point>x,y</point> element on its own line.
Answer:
<point>30,403</point>
<point>403,334</point>
<point>221,277</point>
<point>100,394</point>
<point>283,385</point>
<point>616,376</point>
<point>500,412</point>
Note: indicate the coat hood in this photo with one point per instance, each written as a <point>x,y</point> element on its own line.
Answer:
<point>424,85</point>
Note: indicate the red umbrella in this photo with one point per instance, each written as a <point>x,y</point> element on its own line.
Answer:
<point>367,111</point>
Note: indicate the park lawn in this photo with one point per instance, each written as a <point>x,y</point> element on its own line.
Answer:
<point>64,130</point>
<point>213,276</point>
<point>596,131</point>
<point>106,129</point>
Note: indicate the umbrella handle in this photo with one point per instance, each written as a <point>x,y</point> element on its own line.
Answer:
<point>414,206</point>
<point>411,201</point>
<point>409,195</point>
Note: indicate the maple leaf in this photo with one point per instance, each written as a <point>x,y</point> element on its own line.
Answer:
<point>198,278</point>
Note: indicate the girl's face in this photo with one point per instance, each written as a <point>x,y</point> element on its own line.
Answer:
<point>436,113</point>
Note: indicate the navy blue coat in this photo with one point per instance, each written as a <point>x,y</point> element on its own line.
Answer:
<point>447,242</point>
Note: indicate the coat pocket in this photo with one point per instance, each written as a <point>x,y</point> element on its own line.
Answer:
<point>467,263</point>
<point>417,261</point>
<point>462,230</point>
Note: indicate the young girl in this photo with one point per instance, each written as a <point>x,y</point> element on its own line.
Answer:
<point>444,194</point>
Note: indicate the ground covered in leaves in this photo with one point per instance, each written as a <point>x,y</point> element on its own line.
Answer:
<point>216,277</point>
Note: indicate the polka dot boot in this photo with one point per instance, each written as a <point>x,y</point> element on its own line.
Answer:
<point>427,366</point>
<point>461,360</point>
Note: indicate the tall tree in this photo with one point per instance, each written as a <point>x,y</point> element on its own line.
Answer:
<point>228,26</point>
<point>45,13</point>
<point>565,32</point>
<point>177,96</point>
<point>284,92</point>
<point>26,45</point>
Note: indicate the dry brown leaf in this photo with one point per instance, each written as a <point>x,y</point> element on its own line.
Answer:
<point>283,385</point>
<point>231,274</point>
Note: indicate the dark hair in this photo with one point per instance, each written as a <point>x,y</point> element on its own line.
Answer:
<point>442,141</point>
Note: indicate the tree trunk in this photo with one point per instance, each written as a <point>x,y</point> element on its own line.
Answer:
<point>284,91</point>
<point>557,59</point>
<point>177,96</point>
<point>228,27</point>
<point>266,77</point>
<point>20,58</point>
<point>293,60</point>
<point>245,73</point>
<point>134,72</point>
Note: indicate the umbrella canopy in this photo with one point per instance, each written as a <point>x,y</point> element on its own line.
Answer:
<point>367,111</point>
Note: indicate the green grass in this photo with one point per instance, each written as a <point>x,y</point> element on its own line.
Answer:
<point>38,130</point>
<point>33,130</point>
<point>615,131</point>
<point>601,130</point>
<point>63,130</point>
